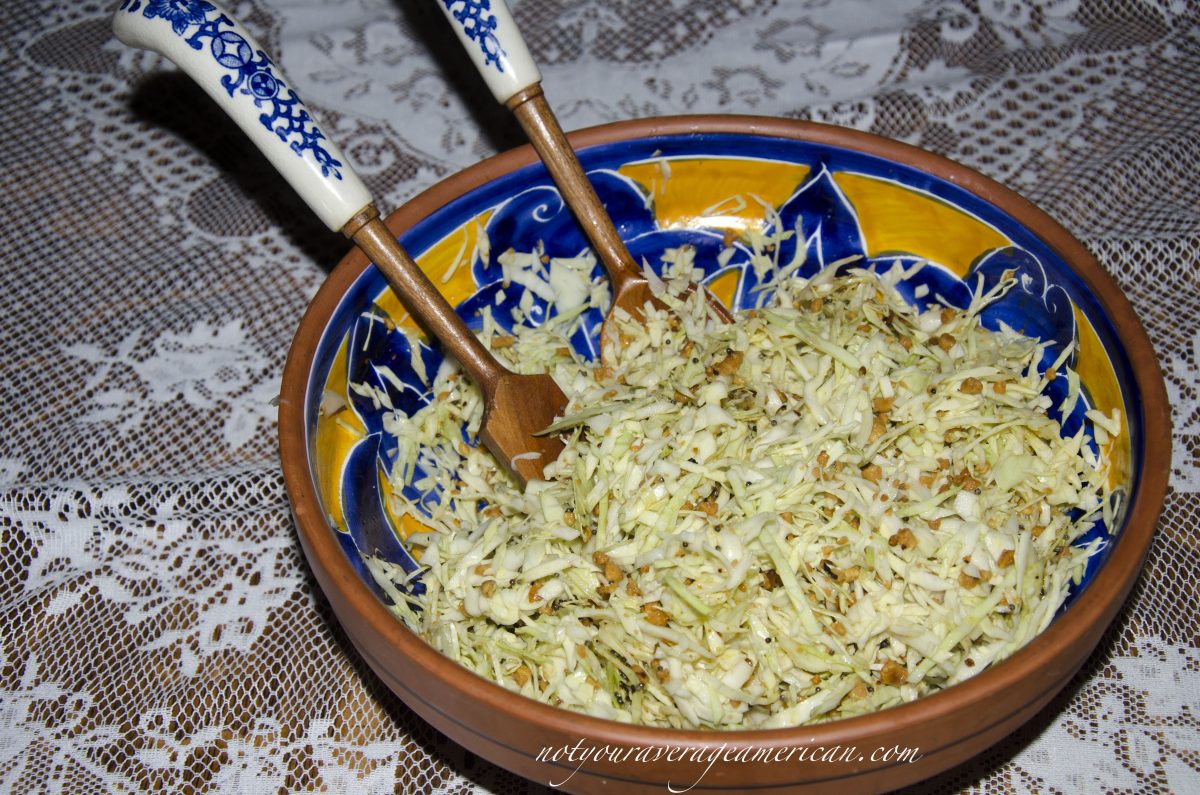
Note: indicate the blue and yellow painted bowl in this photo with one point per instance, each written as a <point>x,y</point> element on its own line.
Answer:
<point>703,181</point>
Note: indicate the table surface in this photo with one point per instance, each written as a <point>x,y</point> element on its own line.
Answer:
<point>161,629</point>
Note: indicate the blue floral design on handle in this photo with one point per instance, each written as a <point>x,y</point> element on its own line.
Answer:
<point>251,72</point>
<point>479,24</point>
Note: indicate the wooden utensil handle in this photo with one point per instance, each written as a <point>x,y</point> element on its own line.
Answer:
<point>541,126</point>
<point>421,298</point>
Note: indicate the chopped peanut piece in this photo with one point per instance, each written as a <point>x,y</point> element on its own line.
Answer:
<point>849,575</point>
<point>893,673</point>
<point>878,427</point>
<point>656,615</point>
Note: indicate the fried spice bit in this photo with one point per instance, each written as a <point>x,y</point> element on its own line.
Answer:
<point>893,673</point>
<point>502,342</point>
<point>631,587</point>
<point>947,315</point>
<point>708,506</point>
<point>945,341</point>
<point>569,518</point>
<point>822,458</point>
<point>599,558</point>
<point>488,588</point>
<point>859,691</point>
<point>656,615</point>
<point>661,671</point>
<point>816,305</point>
<point>966,580</point>
<point>533,592</point>
<point>730,364</point>
<point>771,579</point>
<point>906,343</point>
<point>1006,559</point>
<point>903,538</point>
<point>522,675</point>
<point>872,472</point>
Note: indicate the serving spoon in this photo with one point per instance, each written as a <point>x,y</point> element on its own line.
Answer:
<point>499,52</point>
<point>216,51</point>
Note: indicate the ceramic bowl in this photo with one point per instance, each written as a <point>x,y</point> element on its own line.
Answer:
<point>689,180</point>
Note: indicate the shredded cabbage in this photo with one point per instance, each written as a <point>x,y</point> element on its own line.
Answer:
<point>833,505</point>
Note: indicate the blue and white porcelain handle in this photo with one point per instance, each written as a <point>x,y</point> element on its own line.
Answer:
<point>490,36</point>
<point>203,40</point>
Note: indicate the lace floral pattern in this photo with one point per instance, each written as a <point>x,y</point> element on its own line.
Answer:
<point>162,630</point>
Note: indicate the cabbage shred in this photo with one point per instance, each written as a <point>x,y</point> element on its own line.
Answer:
<point>834,505</point>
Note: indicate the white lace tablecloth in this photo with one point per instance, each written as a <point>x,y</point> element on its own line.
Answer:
<point>160,629</point>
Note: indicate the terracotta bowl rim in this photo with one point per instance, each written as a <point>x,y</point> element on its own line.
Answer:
<point>1099,602</point>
